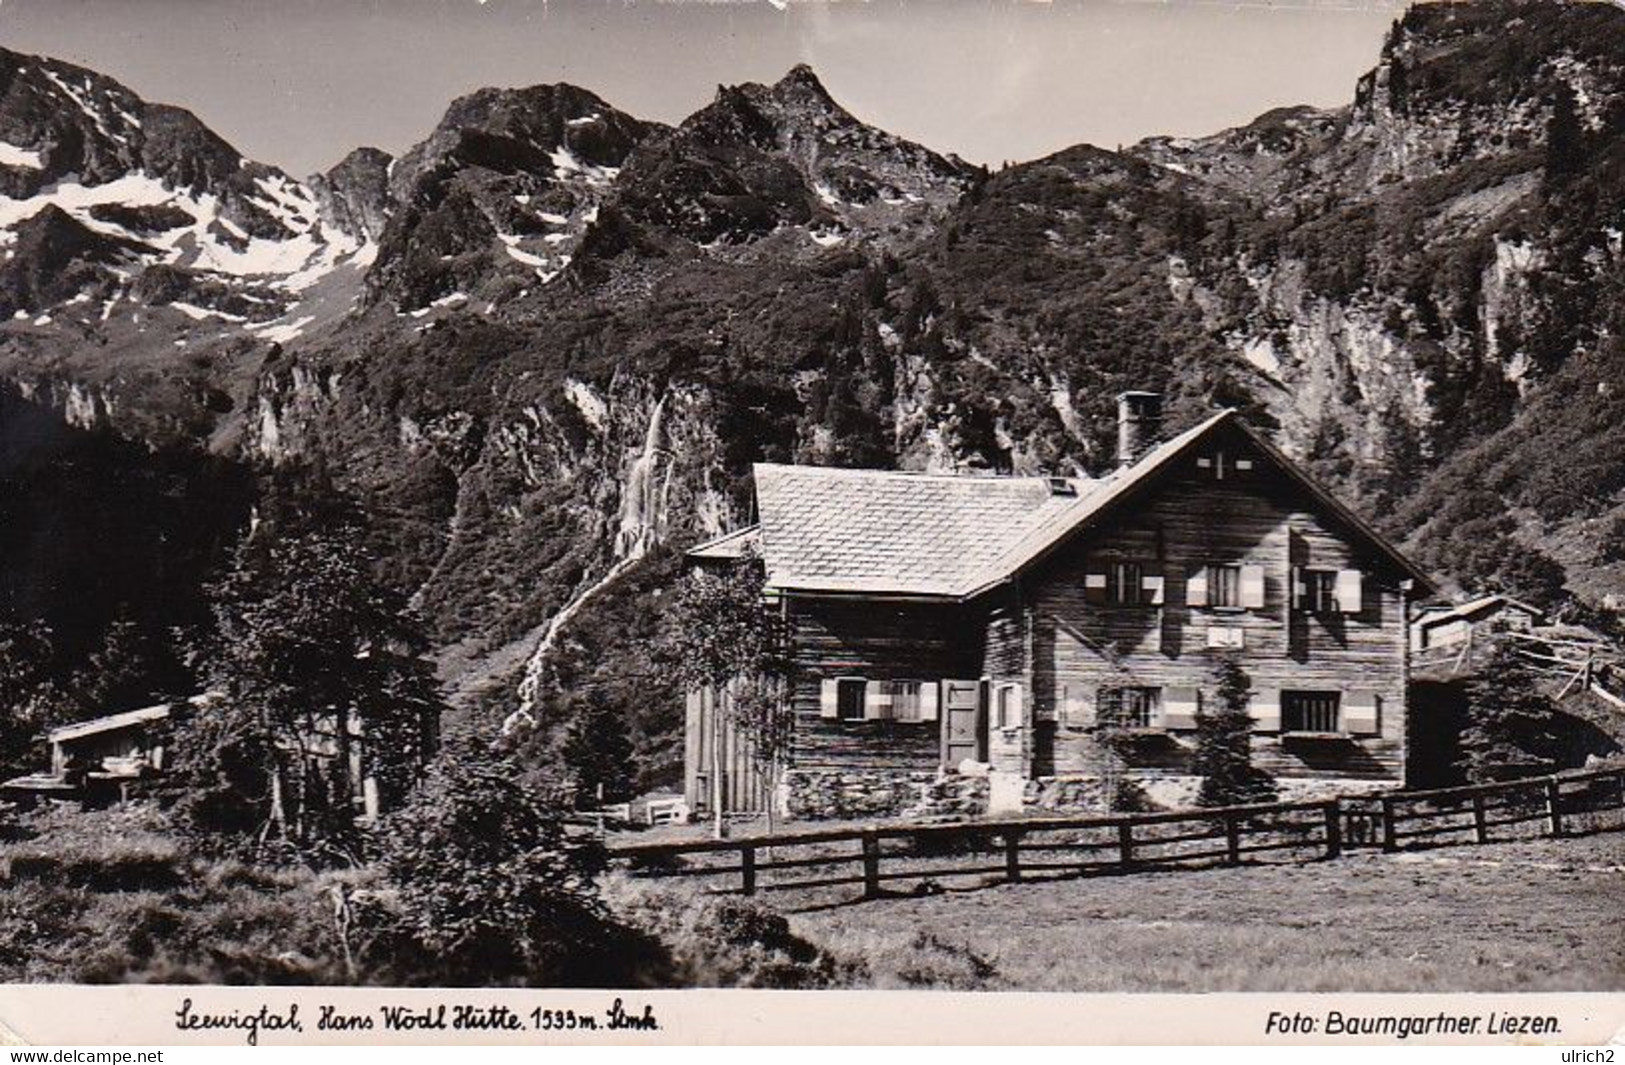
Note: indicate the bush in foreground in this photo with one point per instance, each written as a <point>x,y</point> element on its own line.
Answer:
<point>487,885</point>
<point>726,942</point>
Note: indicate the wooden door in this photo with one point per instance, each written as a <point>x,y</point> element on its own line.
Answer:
<point>964,722</point>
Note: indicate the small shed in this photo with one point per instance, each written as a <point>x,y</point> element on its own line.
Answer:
<point>1449,626</point>
<point>103,755</point>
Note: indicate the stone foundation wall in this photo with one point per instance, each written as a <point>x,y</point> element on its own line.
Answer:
<point>859,794</point>
<point>1086,794</point>
<point>855,794</point>
<point>849,794</point>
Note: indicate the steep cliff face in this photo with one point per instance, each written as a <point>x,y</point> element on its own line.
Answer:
<point>1423,264</point>
<point>544,346</point>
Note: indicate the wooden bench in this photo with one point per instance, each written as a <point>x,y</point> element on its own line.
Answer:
<point>668,811</point>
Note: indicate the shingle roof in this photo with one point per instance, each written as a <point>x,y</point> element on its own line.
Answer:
<point>127,719</point>
<point>881,531</point>
<point>909,533</point>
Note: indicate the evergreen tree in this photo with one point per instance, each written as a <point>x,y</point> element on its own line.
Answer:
<point>1511,724</point>
<point>1223,756</point>
<point>598,752</point>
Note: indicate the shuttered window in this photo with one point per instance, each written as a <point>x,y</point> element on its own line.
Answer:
<point>1224,586</point>
<point>1310,711</point>
<point>1122,584</point>
<point>849,698</point>
<point>1129,707</point>
<point>1008,706</point>
<point>1124,588</point>
<point>1315,591</point>
<point>1075,709</point>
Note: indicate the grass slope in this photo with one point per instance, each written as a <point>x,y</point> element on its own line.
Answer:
<point>1535,915</point>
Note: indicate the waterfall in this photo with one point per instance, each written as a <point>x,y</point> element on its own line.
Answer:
<point>642,522</point>
<point>641,510</point>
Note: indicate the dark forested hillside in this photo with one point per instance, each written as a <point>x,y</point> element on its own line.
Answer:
<point>542,348</point>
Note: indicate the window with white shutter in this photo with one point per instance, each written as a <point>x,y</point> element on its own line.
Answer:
<point>1126,587</point>
<point>1362,713</point>
<point>1264,707</point>
<point>1075,709</point>
<point>850,698</point>
<point>1224,586</point>
<point>1315,591</point>
<point>1350,591</point>
<point>1252,587</point>
<point>905,699</point>
<point>1180,707</point>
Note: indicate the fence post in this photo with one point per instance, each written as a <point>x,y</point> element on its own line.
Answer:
<point>1390,834</point>
<point>747,869</point>
<point>1334,828</point>
<point>1232,838</point>
<point>1554,806</point>
<point>871,864</point>
<point>1012,855</point>
<point>1125,843</point>
<point>1481,827</point>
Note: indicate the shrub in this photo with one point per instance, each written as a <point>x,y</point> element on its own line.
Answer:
<point>485,878</point>
<point>1611,541</point>
<point>1511,723</point>
<point>598,750</point>
<point>726,941</point>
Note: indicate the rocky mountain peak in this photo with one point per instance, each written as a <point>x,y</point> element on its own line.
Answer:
<point>354,194</point>
<point>100,186</point>
<point>495,201</point>
<point>585,327</point>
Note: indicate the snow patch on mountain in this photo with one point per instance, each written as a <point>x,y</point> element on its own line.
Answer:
<point>11,155</point>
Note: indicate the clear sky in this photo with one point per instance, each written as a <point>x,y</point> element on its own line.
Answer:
<point>298,83</point>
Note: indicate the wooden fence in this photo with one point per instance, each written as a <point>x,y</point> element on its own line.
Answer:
<point>1011,849</point>
<point>1015,849</point>
<point>1484,813</point>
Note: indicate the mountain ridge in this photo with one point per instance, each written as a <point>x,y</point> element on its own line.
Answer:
<point>544,345</point>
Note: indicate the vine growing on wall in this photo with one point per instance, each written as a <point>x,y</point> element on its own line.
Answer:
<point>731,640</point>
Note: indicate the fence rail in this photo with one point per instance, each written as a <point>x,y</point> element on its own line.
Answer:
<point>1013,849</point>
<point>1557,804</point>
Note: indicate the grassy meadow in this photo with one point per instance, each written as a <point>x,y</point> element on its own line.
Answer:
<point>112,896</point>
<point>1534,915</point>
